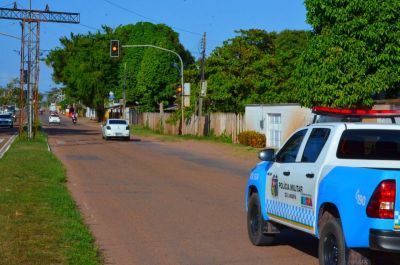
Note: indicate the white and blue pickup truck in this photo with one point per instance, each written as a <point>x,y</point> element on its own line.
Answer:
<point>336,181</point>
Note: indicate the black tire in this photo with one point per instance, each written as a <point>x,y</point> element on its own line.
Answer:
<point>255,223</point>
<point>332,249</point>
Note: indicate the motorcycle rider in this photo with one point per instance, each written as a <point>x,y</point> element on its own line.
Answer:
<point>74,117</point>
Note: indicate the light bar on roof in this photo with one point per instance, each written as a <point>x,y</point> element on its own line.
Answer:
<point>355,112</point>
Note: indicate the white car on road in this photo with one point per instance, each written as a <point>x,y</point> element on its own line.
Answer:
<point>115,128</point>
<point>54,118</point>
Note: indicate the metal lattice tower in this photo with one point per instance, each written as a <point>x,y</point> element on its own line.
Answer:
<point>30,56</point>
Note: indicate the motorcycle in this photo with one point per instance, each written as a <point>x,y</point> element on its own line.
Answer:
<point>74,119</point>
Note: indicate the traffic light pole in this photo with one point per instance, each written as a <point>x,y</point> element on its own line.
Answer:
<point>182,79</point>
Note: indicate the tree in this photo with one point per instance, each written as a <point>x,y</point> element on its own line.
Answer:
<point>353,54</point>
<point>254,67</point>
<point>9,95</point>
<point>84,66</point>
<point>231,72</point>
<point>152,75</point>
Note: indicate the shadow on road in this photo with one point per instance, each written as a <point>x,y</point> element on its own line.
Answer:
<point>298,240</point>
<point>67,131</point>
<point>8,131</point>
<point>309,245</point>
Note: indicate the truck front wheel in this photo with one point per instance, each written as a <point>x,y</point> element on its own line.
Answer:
<point>255,223</point>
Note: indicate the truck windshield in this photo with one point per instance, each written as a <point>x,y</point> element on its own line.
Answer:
<point>369,144</point>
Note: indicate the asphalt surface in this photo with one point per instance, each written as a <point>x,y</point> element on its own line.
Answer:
<point>152,202</point>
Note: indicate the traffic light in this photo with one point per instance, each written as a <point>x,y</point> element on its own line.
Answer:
<point>114,48</point>
<point>25,77</point>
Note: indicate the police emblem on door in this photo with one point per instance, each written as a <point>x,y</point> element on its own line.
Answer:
<point>274,186</point>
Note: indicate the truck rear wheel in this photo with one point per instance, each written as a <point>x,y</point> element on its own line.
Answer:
<point>255,223</point>
<point>332,249</point>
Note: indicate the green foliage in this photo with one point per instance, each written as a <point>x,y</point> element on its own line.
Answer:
<point>9,95</point>
<point>254,67</point>
<point>354,54</point>
<point>252,138</point>
<point>84,66</point>
<point>152,75</point>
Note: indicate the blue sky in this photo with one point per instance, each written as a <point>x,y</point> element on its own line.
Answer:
<point>190,18</point>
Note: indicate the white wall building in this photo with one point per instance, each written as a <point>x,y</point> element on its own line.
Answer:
<point>276,121</point>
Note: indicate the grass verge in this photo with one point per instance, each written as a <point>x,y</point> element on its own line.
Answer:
<point>39,221</point>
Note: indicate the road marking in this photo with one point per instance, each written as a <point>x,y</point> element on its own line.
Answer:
<point>7,145</point>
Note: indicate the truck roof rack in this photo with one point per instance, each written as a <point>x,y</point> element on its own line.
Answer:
<point>355,115</point>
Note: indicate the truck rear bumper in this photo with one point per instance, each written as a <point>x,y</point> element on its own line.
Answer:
<point>384,240</point>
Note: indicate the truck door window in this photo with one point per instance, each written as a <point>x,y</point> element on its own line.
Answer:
<point>315,143</point>
<point>289,151</point>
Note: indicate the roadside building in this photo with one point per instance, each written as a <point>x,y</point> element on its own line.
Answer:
<point>276,121</point>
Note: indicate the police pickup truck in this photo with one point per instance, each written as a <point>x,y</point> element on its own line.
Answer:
<point>336,181</point>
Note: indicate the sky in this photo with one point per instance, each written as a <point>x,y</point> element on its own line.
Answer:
<point>190,18</point>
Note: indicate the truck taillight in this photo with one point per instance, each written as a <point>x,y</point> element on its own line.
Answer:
<point>381,204</point>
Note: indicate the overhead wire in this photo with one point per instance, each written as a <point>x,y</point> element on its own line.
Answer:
<point>148,18</point>
<point>11,36</point>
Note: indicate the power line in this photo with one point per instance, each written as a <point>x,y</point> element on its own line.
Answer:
<point>89,27</point>
<point>148,18</point>
<point>11,36</point>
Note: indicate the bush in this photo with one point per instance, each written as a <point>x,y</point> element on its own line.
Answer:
<point>252,138</point>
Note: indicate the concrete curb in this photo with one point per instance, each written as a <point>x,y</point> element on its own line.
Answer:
<point>7,145</point>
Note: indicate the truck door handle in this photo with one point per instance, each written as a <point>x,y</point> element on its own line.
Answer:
<point>286,173</point>
<point>310,175</point>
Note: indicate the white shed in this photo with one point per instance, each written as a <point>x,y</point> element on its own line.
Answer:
<point>276,121</point>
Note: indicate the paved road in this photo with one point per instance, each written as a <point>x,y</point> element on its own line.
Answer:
<point>152,202</point>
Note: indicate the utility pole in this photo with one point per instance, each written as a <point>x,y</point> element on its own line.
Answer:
<point>202,81</point>
<point>124,95</point>
<point>30,53</point>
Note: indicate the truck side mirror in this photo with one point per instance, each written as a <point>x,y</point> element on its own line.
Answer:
<point>266,154</point>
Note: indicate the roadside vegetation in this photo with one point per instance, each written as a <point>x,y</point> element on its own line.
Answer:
<point>40,223</point>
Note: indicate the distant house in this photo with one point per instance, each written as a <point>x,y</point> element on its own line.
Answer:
<point>276,121</point>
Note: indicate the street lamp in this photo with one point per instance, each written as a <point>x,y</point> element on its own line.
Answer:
<point>167,50</point>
